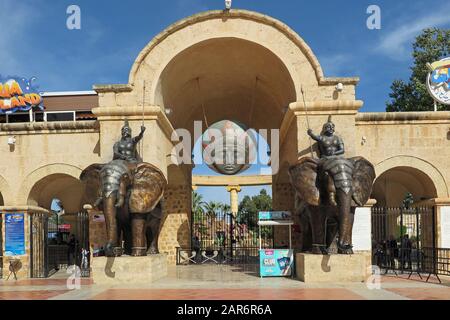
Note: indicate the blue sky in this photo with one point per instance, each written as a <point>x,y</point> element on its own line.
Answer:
<point>35,41</point>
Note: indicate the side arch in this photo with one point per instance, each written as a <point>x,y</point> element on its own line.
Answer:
<point>37,175</point>
<point>5,192</point>
<point>414,171</point>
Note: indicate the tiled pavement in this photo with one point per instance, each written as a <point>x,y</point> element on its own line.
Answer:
<point>226,283</point>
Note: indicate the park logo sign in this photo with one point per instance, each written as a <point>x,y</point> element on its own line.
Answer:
<point>438,81</point>
<point>19,94</point>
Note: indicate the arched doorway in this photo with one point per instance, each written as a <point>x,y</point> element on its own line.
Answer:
<point>403,224</point>
<point>58,237</point>
<point>392,186</point>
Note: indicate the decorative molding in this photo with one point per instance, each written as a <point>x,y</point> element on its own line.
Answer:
<point>367,118</point>
<point>49,127</point>
<point>105,88</point>
<point>26,209</point>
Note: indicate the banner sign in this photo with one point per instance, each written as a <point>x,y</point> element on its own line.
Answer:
<point>276,262</point>
<point>19,94</point>
<point>438,82</point>
<point>274,215</point>
<point>14,234</point>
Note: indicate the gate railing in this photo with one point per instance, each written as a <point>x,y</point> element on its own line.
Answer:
<point>404,239</point>
<point>223,238</point>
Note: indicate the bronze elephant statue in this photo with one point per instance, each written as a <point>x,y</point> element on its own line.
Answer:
<point>129,195</point>
<point>327,194</point>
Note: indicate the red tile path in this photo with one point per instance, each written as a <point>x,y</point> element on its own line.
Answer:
<point>227,294</point>
<point>30,295</point>
<point>423,293</point>
<point>41,282</point>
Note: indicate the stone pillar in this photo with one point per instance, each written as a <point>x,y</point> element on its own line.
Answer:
<point>234,199</point>
<point>284,200</point>
<point>29,257</point>
<point>362,231</point>
<point>175,224</point>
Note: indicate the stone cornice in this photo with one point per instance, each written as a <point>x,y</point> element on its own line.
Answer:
<point>26,209</point>
<point>364,118</point>
<point>116,88</point>
<point>321,107</point>
<point>326,107</point>
<point>49,127</point>
<point>135,113</point>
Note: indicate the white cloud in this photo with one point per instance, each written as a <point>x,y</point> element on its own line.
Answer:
<point>336,64</point>
<point>397,43</point>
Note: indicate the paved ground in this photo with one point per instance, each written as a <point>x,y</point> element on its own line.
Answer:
<point>226,283</point>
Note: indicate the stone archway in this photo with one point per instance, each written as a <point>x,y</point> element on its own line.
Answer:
<point>40,184</point>
<point>401,174</point>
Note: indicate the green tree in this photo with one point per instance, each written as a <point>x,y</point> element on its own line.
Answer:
<point>430,46</point>
<point>198,206</point>
<point>212,208</point>
<point>250,206</point>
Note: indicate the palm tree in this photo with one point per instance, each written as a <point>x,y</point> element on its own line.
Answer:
<point>212,208</point>
<point>198,205</point>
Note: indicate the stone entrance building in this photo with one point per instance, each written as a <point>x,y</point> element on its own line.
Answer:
<point>217,65</point>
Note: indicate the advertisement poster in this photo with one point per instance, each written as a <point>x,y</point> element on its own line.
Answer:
<point>274,215</point>
<point>276,262</point>
<point>14,234</point>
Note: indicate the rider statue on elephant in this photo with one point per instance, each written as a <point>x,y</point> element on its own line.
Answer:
<point>128,190</point>
<point>328,190</point>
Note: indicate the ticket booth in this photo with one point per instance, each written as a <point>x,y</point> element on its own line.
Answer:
<point>275,262</point>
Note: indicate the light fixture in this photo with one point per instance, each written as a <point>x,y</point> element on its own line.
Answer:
<point>168,111</point>
<point>363,140</point>
<point>339,87</point>
<point>228,4</point>
<point>12,141</point>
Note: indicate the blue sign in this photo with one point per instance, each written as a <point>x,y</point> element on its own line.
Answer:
<point>14,234</point>
<point>19,94</point>
<point>274,215</point>
<point>276,262</point>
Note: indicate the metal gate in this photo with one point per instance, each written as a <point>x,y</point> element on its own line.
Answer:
<point>404,239</point>
<point>223,238</point>
<point>50,250</point>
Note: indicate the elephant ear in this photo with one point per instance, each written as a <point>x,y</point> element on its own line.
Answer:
<point>303,177</point>
<point>148,188</point>
<point>363,177</point>
<point>90,178</point>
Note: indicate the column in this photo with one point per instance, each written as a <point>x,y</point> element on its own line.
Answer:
<point>234,199</point>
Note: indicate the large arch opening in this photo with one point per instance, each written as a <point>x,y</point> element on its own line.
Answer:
<point>392,186</point>
<point>226,79</point>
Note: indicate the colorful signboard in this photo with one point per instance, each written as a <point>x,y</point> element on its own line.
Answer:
<point>274,215</point>
<point>19,94</point>
<point>14,234</point>
<point>438,82</point>
<point>276,262</point>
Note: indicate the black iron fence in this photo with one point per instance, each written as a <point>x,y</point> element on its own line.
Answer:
<point>224,238</point>
<point>404,240</point>
<point>51,249</point>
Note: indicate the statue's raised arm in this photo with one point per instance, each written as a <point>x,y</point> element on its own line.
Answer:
<point>140,136</point>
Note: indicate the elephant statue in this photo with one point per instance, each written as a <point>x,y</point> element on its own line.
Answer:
<point>134,210</point>
<point>328,190</point>
<point>128,192</point>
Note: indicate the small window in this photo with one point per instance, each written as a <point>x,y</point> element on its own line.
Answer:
<point>18,117</point>
<point>39,117</point>
<point>60,116</point>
